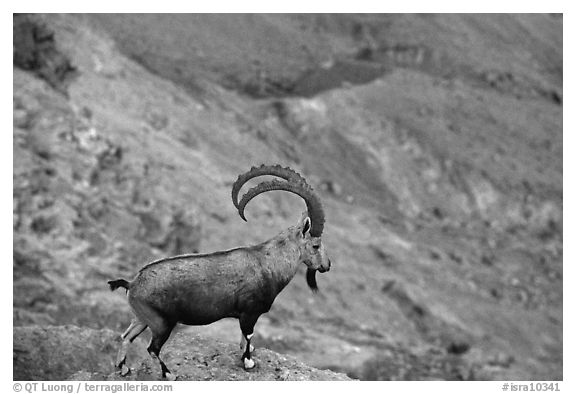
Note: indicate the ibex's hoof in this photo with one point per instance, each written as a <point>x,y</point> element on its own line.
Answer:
<point>170,376</point>
<point>125,370</point>
<point>249,363</point>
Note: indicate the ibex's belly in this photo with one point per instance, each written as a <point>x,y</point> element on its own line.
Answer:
<point>196,312</point>
<point>191,306</point>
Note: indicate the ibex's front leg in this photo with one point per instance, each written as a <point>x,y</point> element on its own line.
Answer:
<point>243,343</point>
<point>247,326</point>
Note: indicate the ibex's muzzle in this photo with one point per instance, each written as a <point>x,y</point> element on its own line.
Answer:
<point>325,268</point>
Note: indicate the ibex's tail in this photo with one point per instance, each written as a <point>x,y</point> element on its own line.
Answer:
<point>114,284</point>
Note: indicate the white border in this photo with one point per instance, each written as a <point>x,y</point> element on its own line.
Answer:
<point>296,6</point>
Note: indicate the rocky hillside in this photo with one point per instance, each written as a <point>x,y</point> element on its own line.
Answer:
<point>435,142</point>
<point>87,354</point>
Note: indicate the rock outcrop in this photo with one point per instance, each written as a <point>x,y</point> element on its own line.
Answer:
<point>75,353</point>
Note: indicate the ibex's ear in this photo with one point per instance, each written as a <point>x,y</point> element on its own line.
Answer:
<point>306,226</point>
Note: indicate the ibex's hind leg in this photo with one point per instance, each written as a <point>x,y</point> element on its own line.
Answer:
<point>136,328</point>
<point>160,335</point>
<point>247,323</point>
<point>161,329</point>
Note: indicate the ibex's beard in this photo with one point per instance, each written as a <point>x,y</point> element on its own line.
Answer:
<point>311,279</point>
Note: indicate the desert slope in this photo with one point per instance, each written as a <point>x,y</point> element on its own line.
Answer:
<point>434,141</point>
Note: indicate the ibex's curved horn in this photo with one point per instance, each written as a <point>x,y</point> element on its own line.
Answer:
<point>276,170</point>
<point>313,203</point>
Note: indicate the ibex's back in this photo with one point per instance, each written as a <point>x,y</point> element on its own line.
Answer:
<point>240,283</point>
<point>201,289</point>
<point>208,289</point>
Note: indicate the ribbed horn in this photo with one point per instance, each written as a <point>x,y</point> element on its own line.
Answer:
<point>283,172</point>
<point>313,204</point>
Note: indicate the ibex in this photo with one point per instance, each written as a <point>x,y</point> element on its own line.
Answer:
<point>199,289</point>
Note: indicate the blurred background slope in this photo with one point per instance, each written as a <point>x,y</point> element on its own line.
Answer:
<point>435,142</point>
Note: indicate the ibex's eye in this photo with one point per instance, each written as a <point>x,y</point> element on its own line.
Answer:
<point>316,246</point>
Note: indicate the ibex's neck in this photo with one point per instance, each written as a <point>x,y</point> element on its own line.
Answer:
<point>281,257</point>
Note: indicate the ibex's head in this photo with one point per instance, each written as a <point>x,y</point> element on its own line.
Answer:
<point>310,227</point>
